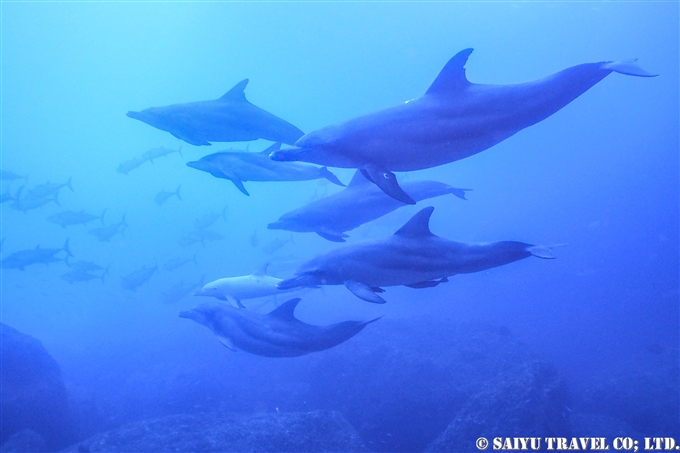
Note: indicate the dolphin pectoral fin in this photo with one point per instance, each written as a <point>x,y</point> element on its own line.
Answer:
<point>239,185</point>
<point>543,251</point>
<point>387,181</point>
<point>628,68</point>
<point>191,141</point>
<point>363,291</point>
<point>325,173</point>
<point>332,236</point>
<point>460,193</point>
<point>226,342</point>
<point>234,302</point>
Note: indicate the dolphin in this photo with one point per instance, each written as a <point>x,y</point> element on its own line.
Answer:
<point>230,118</point>
<point>239,166</point>
<point>276,334</point>
<point>236,289</point>
<point>454,119</point>
<point>412,257</point>
<point>359,203</point>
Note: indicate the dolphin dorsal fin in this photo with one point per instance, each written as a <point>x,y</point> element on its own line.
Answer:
<point>236,93</point>
<point>451,78</point>
<point>285,311</point>
<point>275,147</point>
<point>418,226</point>
<point>262,270</point>
<point>358,180</point>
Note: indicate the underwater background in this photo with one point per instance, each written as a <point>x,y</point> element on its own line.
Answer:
<point>586,344</point>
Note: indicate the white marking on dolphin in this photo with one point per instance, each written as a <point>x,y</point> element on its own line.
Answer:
<point>359,203</point>
<point>236,289</point>
<point>454,119</point>
<point>240,166</point>
<point>230,118</point>
<point>276,334</point>
<point>412,257</point>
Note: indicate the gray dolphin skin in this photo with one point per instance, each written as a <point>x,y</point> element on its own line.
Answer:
<point>412,257</point>
<point>454,119</point>
<point>276,334</point>
<point>359,203</point>
<point>240,166</point>
<point>230,118</point>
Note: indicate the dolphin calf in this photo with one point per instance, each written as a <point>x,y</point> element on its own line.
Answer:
<point>454,119</point>
<point>412,257</point>
<point>236,289</point>
<point>276,334</point>
<point>230,118</point>
<point>239,166</point>
<point>359,203</point>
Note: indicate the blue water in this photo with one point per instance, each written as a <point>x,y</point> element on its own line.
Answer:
<point>600,175</point>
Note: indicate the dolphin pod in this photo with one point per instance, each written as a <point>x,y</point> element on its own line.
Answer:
<point>276,334</point>
<point>412,257</point>
<point>454,119</point>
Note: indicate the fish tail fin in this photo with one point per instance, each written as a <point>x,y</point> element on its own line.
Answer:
<point>56,198</point>
<point>123,222</point>
<point>543,251</point>
<point>179,151</point>
<point>106,271</point>
<point>224,212</point>
<point>460,193</point>
<point>101,217</point>
<point>629,67</point>
<point>67,249</point>
<point>68,184</point>
<point>177,192</point>
<point>326,173</point>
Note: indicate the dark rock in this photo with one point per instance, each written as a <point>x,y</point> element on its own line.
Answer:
<point>643,392</point>
<point>24,441</point>
<point>523,401</point>
<point>32,393</point>
<point>217,432</point>
<point>600,425</point>
<point>401,386</point>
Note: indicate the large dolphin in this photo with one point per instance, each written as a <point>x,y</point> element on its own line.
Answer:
<point>359,203</point>
<point>236,289</point>
<point>230,118</point>
<point>239,166</point>
<point>454,119</point>
<point>276,334</point>
<point>412,257</point>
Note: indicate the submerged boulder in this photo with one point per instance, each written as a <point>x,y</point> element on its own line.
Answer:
<point>32,392</point>
<point>526,401</point>
<point>218,432</point>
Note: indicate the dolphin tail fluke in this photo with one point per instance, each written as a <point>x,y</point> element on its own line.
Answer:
<point>67,249</point>
<point>177,192</point>
<point>363,291</point>
<point>326,173</point>
<point>629,67</point>
<point>460,193</point>
<point>179,150</point>
<point>544,251</point>
<point>387,182</point>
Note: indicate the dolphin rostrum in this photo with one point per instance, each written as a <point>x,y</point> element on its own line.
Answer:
<point>276,334</point>
<point>454,119</point>
<point>412,257</point>
<point>359,203</point>
<point>236,289</point>
<point>239,166</point>
<point>230,118</point>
